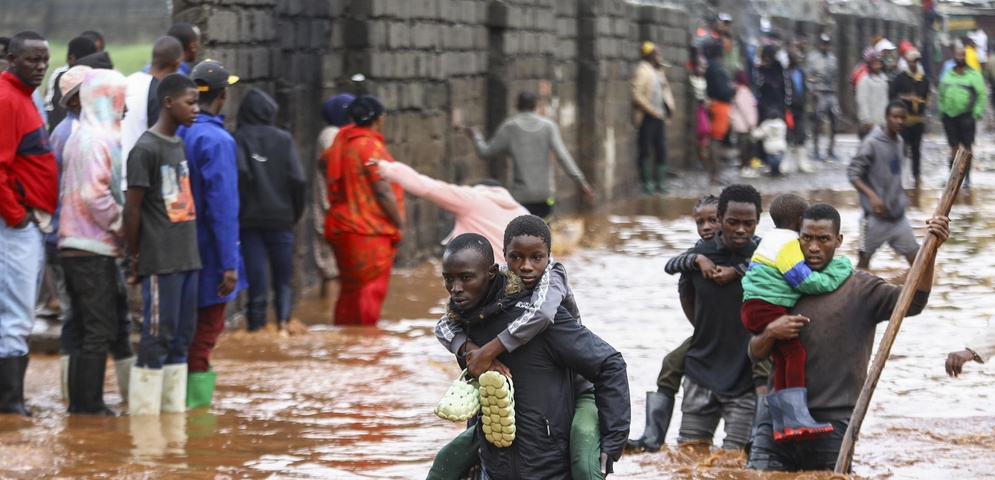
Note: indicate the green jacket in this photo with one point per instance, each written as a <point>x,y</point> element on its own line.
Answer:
<point>963,93</point>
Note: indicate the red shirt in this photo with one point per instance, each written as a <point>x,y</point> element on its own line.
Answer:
<point>29,177</point>
<point>352,169</point>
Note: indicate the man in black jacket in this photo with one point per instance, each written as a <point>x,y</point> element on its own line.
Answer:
<point>485,302</point>
<point>272,190</point>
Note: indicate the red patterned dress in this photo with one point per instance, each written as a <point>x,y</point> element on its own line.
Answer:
<point>363,237</point>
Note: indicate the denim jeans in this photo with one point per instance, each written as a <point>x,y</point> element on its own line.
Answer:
<point>170,318</point>
<point>21,256</point>
<point>273,249</point>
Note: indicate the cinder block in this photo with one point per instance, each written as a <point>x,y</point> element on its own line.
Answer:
<point>398,35</point>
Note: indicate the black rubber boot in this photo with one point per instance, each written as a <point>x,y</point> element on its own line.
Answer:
<point>760,413</point>
<point>86,385</point>
<point>798,422</point>
<point>659,408</point>
<point>12,385</point>
<point>776,416</point>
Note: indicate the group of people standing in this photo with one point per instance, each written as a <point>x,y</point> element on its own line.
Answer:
<point>140,183</point>
<point>767,97</point>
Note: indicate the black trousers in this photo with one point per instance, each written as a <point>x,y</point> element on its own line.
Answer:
<point>543,210</point>
<point>913,138</point>
<point>95,291</point>
<point>651,138</point>
<point>796,136</point>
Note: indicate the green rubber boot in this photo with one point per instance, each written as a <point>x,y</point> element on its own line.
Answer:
<point>200,388</point>
<point>661,180</point>
<point>646,178</point>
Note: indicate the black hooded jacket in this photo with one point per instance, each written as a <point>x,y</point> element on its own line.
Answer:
<point>544,380</point>
<point>271,183</point>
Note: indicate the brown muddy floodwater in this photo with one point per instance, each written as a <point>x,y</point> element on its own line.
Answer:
<point>357,403</point>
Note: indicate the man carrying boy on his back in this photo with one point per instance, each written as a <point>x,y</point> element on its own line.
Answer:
<point>161,234</point>
<point>778,275</point>
<point>526,244</point>
<point>543,368</point>
<point>211,153</point>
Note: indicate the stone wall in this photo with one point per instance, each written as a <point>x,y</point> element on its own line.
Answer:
<point>437,64</point>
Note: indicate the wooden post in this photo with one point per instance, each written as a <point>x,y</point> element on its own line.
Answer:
<point>926,254</point>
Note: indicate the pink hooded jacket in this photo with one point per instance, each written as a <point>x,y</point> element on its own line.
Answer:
<point>480,209</point>
<point>92,200</point>
<point>743,116</point>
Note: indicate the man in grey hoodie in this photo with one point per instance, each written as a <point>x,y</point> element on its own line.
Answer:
<point>876,172</point>
<point>528,138</point>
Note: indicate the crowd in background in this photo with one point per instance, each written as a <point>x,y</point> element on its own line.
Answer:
<point>767,97</point>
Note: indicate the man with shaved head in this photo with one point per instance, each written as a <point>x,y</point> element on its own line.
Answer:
<point>29,189</point>
<point>140,99</point>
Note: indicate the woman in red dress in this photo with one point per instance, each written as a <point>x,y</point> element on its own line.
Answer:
<point>365,221</point>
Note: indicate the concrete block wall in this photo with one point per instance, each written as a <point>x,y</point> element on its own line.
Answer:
<point>426,61</point>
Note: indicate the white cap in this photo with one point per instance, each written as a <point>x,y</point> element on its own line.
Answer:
<point>884,45</point>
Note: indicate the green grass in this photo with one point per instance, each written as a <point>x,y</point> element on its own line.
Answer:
<point>127,58</point>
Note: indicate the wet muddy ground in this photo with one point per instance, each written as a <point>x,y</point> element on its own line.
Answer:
<point>357,403</point>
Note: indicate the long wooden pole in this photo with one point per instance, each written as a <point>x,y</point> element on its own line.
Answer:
<point>925,256</point>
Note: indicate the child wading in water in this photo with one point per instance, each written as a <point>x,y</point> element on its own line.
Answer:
<point>778,276</point>
<point>526,248</point>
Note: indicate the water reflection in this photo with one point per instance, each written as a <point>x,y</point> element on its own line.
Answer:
<point>349,403</point>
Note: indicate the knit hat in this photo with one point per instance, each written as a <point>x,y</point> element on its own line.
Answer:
<point>334,109</point>
<point>364,110</point>
<point>70,82</point>
<point>647,48</point>
<point>870,54</point>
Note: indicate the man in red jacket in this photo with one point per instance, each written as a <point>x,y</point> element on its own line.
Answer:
<point>29,190</point>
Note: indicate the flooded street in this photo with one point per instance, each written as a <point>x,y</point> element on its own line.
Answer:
<point>357,403</point>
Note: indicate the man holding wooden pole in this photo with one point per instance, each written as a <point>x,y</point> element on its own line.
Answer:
<point>837,331</point>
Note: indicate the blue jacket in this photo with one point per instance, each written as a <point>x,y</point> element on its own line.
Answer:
<point>211,155</point>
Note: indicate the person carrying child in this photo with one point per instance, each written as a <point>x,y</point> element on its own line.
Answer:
<point>777,277</point>
<point>486,303</point>
<point>527,245</point>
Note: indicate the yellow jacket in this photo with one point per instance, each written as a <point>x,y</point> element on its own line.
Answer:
<point>971,56</point>
<point>642,91</point>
